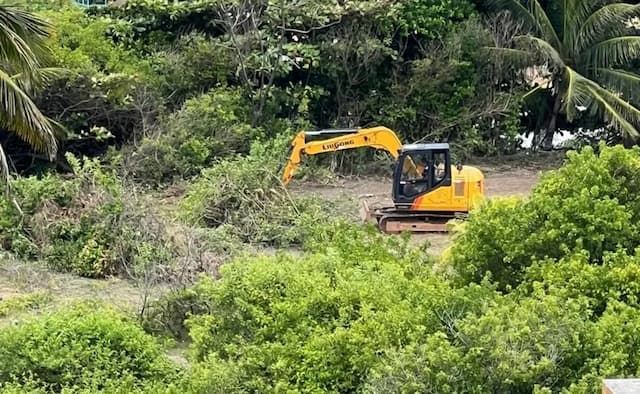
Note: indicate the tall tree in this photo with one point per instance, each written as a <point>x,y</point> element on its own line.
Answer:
<point>587,45</point>
<point>23,48</point>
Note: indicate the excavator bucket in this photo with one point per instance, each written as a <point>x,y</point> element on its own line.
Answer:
<point>366,214</point>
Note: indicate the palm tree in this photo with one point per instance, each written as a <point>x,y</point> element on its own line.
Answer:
<point>23,48</point>
<point>587,44</point>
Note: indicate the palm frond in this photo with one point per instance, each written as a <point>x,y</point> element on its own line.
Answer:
<point>606,22</point>
<point>547,30</point>
<point>533,16</point>
<point>516,57</point>
<point>543,50</point>
<point>622,115</point>
<point>622,81</point>
<point>598,101</point>
<point>576,95</point>
<point>59,130</point>
<point>20,115</point>
<point>4,171</point>
<point>582,9</point>
<point>39,79</point>
<point>23,39</point>
<point>533,91</point>
<point>612,52</point>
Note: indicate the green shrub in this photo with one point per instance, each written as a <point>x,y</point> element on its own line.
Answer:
<point>194,65</point>
<point>591,205</point>
<point>80,44</point>
<point>77,236</point>
<point>208,127</point>
<point>615,280</point>
<point>244,198</point>
<point>320,322</point>
<point>436,365</point>
<point>611,348</point>
<point>515,346</point>
<point>82,224</point>
<point>21,302</point>
<point>167,315</point>
<point>28,195</point>
<point>81,348</point>
<point>491,241</point>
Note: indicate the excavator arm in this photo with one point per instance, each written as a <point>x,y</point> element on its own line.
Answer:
<point>376,137</point>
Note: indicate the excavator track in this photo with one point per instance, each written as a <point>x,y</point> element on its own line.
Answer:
<point>392,220</point>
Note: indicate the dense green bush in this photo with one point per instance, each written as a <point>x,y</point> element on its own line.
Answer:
<point>80,45</point>
<point>516,346</point>
<point>244,198</point>
<point>364,312</point>
<point>615,279</point>
<point>446,97</point>
<point>194,65</point>
<point>78,236</point>
<point>84,348</point>
<point>208,127</point>
<point>590,205</point>
<point>320,322</point>
<point>27,197</point>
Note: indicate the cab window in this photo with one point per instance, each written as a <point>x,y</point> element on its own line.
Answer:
<point>414,167</point>
<point>440,167</point>
<point>414,179</point>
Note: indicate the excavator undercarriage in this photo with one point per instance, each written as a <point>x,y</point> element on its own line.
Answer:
<point>392,220</point>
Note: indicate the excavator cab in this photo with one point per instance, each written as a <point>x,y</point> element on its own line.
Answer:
<point>433,164</point>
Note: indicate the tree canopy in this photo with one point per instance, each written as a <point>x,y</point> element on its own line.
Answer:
<point>588,48</point>
<point>23,49</point>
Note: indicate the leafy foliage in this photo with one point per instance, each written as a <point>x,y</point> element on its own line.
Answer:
<point>588,47</point>
<point>325,64</point>
<point>527,346</point>
<point>243,197</point>
<point>207,128</point>
<point>185,70</point>
<point>588,206</point>
<point>318,323</point>
<point>80,348</point>
<point>543,295</point>
<point>438,100</point>
<point>82,225</point>
<point>24,52</point>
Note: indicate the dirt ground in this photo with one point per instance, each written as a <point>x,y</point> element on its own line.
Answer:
<point>497,183</point>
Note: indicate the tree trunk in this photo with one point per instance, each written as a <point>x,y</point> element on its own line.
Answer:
<point>547,141</point>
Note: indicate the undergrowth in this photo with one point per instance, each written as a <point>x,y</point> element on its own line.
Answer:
<point>243,198</point>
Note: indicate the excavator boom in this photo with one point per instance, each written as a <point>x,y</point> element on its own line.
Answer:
<point>376,137</point>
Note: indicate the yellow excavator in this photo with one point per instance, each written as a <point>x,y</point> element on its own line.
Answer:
<point>428,190</point>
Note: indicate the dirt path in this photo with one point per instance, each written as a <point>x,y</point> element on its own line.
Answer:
<point>503,183</point>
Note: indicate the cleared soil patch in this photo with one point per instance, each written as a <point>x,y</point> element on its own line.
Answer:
<point>18,278</point>
<point>506,183</point>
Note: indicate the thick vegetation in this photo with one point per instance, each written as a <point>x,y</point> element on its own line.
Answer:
<point>177,119</point>
<point>81,350</point>
<point>360,311</point>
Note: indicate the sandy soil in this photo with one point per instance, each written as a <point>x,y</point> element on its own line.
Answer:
<point>512,182</point>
